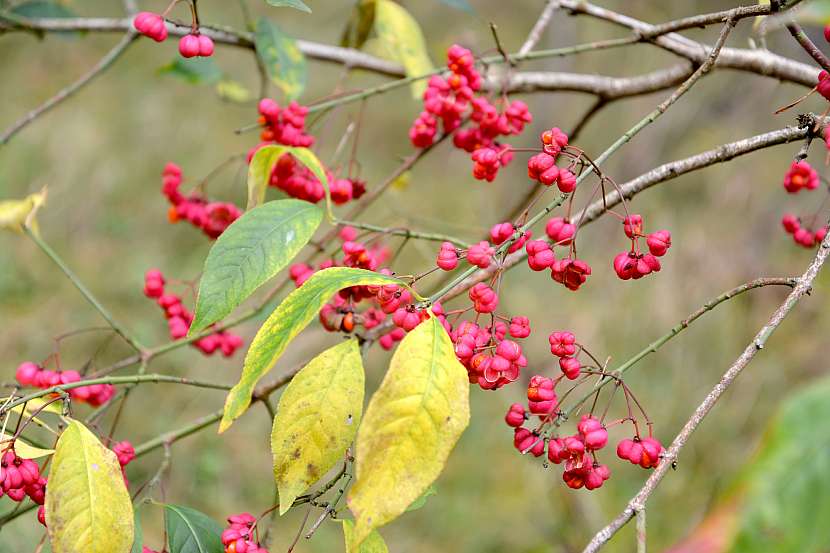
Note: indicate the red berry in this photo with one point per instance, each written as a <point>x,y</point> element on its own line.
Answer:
<point>480,254</point>
<point>515,415</point>
<point>560,231</point>
<point>562,344</point>
<point>659,242</point>
<point>570,367</point>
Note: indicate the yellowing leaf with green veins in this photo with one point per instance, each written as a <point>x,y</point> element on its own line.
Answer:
<point>281,57</point>
<point>24,450</point>
<point>263,162</point>
<point>16,214</point>
<point>409,429</point>
<point>372,544</point>
<point>290,317</point>
<point>88,508</point>
<point>317,419</point>
<point>249,253</point>
<point>400,32</point>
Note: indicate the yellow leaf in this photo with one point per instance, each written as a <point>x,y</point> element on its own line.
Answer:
<point>24,450</point>
<point>88,508</point>
<point>410,426</point>
<point>317,419</point>
<point>17,214</point>
<point>403,38</point>
<point>372,544</point>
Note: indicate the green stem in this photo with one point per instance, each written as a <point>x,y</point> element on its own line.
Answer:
<point>400,231</point>
<point>116,326</point>
<point>135,379</point>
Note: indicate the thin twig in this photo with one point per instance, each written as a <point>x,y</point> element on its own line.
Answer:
<point>542,22</point>
<point>65,93</point>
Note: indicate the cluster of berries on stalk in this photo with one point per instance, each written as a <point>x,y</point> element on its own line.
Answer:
<point>578,451</point>
<point>32,374</point>
<point>633,263</point>
<point>542,167</point>
<point>153,25</point>
<point>179,318</point>
<point>286,126</point>
<point>211,217</point>
<point>240,535</point>
<point>21,478</point>
<point>454,99</point>
<point>804,230</point>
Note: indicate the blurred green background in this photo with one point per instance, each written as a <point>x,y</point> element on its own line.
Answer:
<point>101,154</point>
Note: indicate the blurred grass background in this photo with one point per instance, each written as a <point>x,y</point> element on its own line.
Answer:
<point>101,153</point>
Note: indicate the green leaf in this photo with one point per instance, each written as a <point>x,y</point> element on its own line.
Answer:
<point>189,531</point>
<point>401,34</point>
<point>296,4</point>
<point>282,58</point>
<point>410,427</point>
<point>194,70</point>
<point>88,507</point>
<point>251,251</point>
<point>372,544</point>
<point>233,91</point>
<point>786,505</point>
<point>289,318</point>
<point>138,541</point>
<point>421,501</point>
<point>461,5</point>
<point>262,164</point>
<point>317,419</point>
<point>360,24</point>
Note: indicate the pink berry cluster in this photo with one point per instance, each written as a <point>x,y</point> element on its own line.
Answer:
<point>579,451</point>
<point>195,45</point>
<point>152,25</point>
<point>633,264</point>
<point>286,126</point>
<point>20,478</point>
<point>804,230</point>
<point>453,99</point>
<point>542,167</point>
<point>179,318</point>
<point>239,536</point>
<point>211,217</point>
<point>800,176</point>
<point>32,374</point>
<point>801,235</point>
